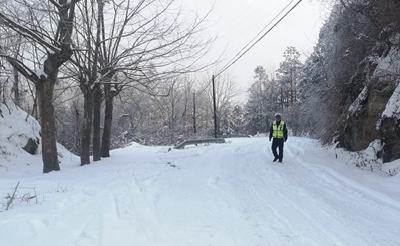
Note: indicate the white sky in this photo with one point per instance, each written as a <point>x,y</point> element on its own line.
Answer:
<point>239,21</point>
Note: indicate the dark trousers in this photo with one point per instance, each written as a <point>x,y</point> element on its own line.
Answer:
<point>278,143</point>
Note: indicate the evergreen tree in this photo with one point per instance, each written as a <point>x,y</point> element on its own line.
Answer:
<point>288,74</point>
<point>237,122</point>
<point>263,102</point>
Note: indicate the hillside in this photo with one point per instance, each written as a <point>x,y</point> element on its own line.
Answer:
<point>16,130</point>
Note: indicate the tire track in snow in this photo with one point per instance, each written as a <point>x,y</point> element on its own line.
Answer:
<point>228,181</point>
<point>317,199</point>
<point>91,235</point>
<point>346,201</point>
<point>274,225</point>
<point>259,203</point>
<point>278,200</point>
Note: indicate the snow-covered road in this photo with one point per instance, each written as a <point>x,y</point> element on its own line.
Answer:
<point>222,194</point>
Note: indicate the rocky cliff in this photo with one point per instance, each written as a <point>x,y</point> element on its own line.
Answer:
<point>375,113</point>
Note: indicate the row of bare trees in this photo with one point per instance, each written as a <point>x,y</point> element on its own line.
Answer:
<point>103,47</point>
<point>182,108</point>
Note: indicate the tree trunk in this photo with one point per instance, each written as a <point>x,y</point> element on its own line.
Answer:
<point>96,122</point>
<point>44,89</point>
<point>291,92</point>
<point>77,129</point>
<point>86,127</point>
<point>97,97</point>
<point>45,82</point>
<point>105,144</point>
<point>16,88</point>
<point>16,76</point>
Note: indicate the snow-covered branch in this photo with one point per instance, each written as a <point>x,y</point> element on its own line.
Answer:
<point>20,66</point>
<point>27,33</point>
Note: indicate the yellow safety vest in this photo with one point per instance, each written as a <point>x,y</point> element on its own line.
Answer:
<point>278,130</point>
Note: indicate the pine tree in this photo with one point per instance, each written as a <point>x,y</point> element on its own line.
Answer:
<point>288,74</point>
<point>263,98</point>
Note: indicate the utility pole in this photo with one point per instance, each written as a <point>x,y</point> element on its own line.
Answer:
<point>194,112</point>
<point>215,108</point>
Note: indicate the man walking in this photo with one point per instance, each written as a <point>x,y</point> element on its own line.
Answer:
<point>279,133</point>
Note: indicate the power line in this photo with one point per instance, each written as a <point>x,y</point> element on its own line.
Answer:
<point>237,18</point>
<point>233,58</point>
<point>262,20</point>
<point>258,40</point>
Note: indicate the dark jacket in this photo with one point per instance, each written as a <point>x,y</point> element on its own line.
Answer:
<point>285,135</point>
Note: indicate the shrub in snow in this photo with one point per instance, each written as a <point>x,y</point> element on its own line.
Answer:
<point>370,159</point>
<point>19,195</point>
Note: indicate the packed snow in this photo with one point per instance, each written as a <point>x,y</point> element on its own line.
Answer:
<point>217,194</point>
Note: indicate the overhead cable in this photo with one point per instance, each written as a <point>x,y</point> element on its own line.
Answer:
<point>258,40</point>
<point>238,54</point>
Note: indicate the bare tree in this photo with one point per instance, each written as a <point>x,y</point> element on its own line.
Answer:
<point>127,44</point>
<point>13,44</point>
<point>52,35</point>
<point>226,91</point>
<point>85,72</point>
<point>143,44</point>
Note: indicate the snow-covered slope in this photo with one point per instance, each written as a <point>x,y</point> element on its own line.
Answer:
<point>16,128</point>
<point>227,194</point>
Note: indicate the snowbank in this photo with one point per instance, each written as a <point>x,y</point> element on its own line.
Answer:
<point>16,129</point>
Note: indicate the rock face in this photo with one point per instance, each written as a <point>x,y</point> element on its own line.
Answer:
<point>390,132</point>
<point>360,129</point>
<point>32,146</point>
<point>368,118</point>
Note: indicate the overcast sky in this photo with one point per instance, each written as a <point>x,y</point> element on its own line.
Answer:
<point>237,22</point>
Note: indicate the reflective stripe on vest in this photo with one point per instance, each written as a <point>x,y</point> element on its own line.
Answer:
<point>277,130</point>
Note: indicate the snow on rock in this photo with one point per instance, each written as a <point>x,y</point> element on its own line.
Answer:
<point>392,109</point>
<point>16,125</point>
<point>357,104</point>
<point>388,69</point>
<point>16,130</point>
<point>388,65</point>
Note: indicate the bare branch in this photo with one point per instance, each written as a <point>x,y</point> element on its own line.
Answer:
<point>27,33</point>
<point>20,66</point>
